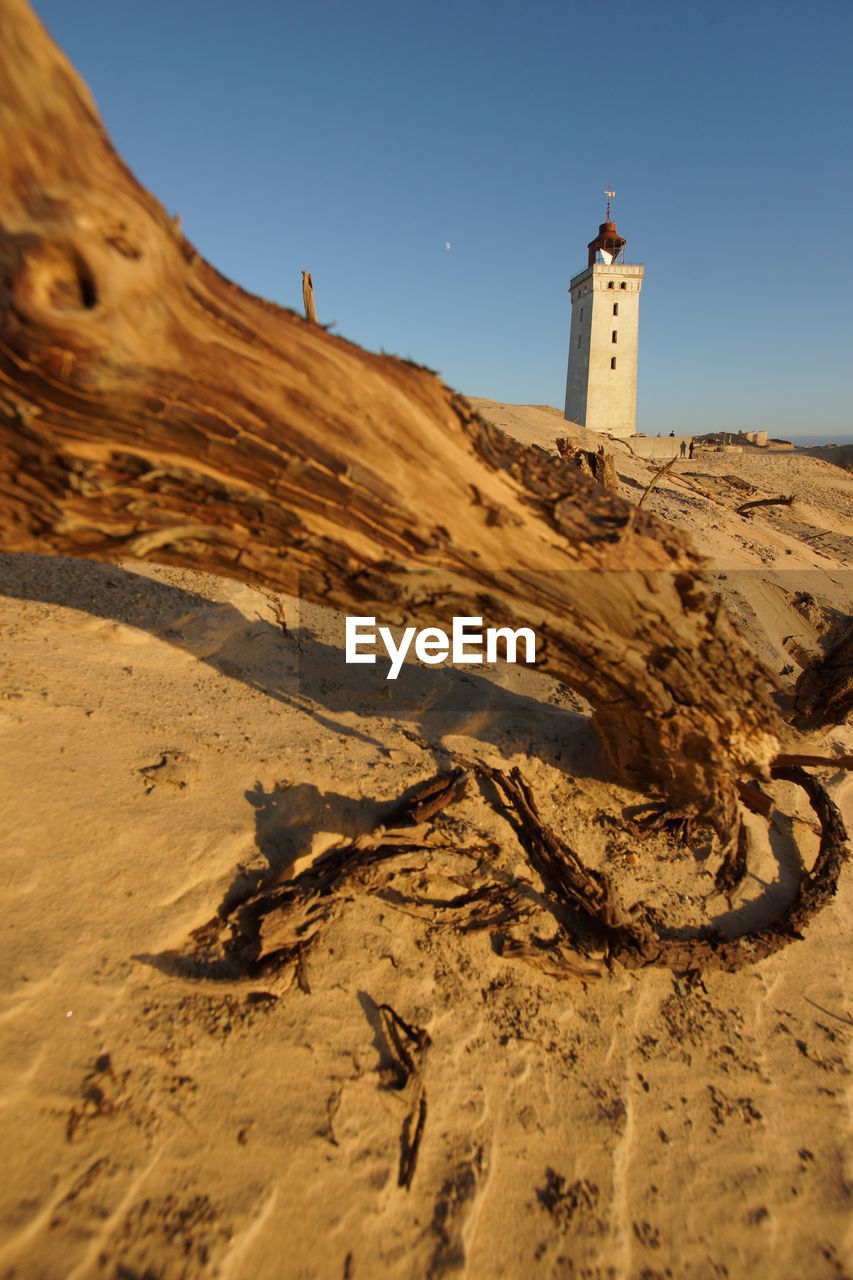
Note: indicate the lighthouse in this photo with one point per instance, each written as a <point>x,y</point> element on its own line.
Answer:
<point>601,384</point>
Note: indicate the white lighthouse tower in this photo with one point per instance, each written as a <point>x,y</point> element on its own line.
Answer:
<point>601,385</point>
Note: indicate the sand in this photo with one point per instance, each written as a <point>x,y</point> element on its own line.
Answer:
<point>167,739</point>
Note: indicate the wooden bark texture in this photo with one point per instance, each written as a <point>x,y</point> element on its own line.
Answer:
<point>151,408</point>
<point>599,465</point>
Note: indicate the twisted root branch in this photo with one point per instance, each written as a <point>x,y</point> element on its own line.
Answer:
<point>640,939</point>
<point>277,925</point>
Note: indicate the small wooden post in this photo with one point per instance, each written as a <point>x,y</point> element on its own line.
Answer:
<point>308,297</point>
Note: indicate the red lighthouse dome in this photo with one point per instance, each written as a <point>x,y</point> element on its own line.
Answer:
<point>608,242</point>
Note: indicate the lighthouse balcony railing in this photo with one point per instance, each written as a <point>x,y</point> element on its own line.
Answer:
<point>608,268</point>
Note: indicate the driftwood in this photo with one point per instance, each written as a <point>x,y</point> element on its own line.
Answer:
<point>782,501</point>
<point>638,939</point>
<point>597,464</point>
<point>662,472</point>
<point>149,407</point>
<point>843,761</point>
<point>407,1044</point>
<point>276,926</point>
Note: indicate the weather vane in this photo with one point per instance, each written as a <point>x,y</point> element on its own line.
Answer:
<point>610,195</point>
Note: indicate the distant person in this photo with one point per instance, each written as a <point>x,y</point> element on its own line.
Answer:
<point>684,448</point>
<point>690,452</point>
<point>672,433</point>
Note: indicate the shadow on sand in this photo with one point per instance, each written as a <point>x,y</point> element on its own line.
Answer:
<point>299,669</point>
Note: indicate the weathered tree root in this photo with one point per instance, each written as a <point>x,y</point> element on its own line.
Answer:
<point>567,881</point>
<point>640,940</point>
<point>408,1045</point>
<point>151,408</point>
<point>599,465</point>
<point>277,925</point>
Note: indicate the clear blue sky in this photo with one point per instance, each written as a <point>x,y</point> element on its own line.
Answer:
<point>356,140</point>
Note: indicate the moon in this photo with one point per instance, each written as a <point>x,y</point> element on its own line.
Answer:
<point>447,244</point>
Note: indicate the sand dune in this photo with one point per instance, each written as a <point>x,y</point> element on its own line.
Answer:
<point>169,739</point>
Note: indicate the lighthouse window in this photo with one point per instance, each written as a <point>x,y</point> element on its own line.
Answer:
<point>579,341</point>
<point>581,313</point>
<point>616,308</point>
<point>612,362</point>
<point>611,285</point>
<point>613,339</point>
<point>623,285</point>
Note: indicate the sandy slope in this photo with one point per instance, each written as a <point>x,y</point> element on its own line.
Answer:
<point>166,742</point>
